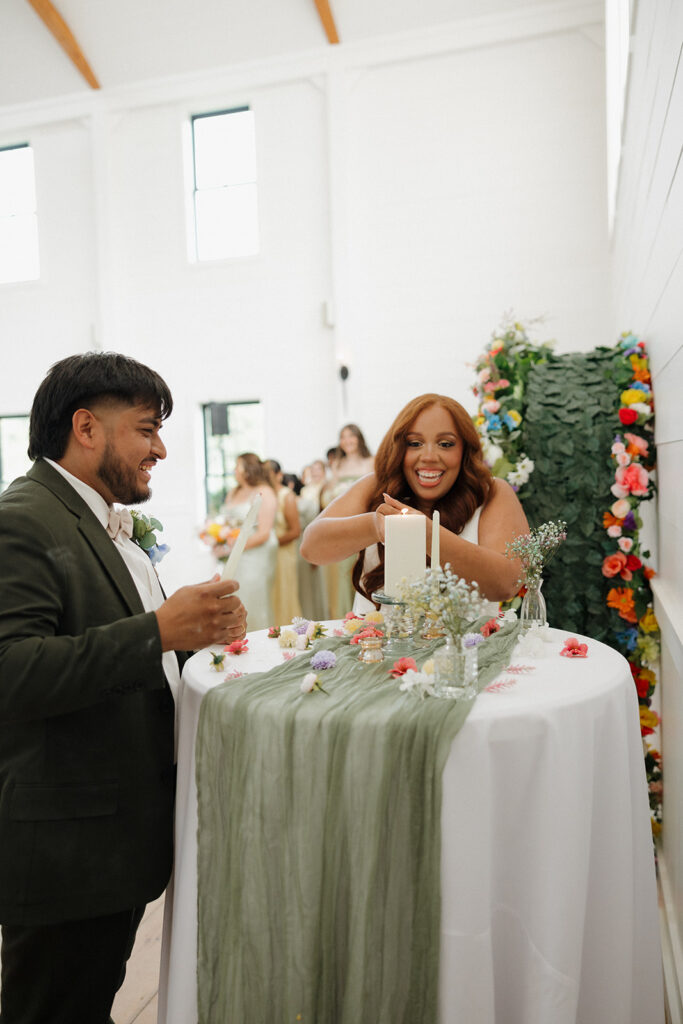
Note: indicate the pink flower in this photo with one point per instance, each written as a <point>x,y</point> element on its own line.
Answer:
<point>633,479</point>
<point>492,626</point>
<point>484,374</point>
<point>490,386</point>
<point>614,531</point>
<point>617,491</point>
<point>638,443</point>
<point>288,655</point>
<point>625,543</point>
<point>620,508</point>
<point>237,647</point>
<point>623,458</point>
<point>401,666</point>
<point>573,649</point>
<point>492,405</point>
<point>365,634</point>
<point>351,615</point>
<point>617,447</point>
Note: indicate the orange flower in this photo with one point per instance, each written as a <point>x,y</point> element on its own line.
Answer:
<point>621,598</point>
<point>609,520</point>
<point>615,565</point>
<point>648,573</point>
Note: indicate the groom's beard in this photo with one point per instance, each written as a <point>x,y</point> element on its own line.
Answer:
<point>121,479</point>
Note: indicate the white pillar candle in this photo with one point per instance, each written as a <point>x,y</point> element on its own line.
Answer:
<point>245,532</point>
<point>436,551</point>
<point>405,550</point>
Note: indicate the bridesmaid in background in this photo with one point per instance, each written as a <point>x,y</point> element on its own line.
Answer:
<point>286,604</point>
<point>353,461</point>
<point>256,571</point>
<point>312,592</point>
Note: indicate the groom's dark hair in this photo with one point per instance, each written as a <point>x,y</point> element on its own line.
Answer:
<point>83,380</point>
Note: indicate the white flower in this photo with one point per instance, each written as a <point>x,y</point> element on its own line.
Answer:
<point>419,682</point>
<point>301,642</point>
<point>308,682</point>
<point>533,643</point>
<point>492,452</point>
<point>287,638</point>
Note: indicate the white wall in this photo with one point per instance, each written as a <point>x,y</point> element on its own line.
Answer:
<point>411,191</point>
<point>648,299</point>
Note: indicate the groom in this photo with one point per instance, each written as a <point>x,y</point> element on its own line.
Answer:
<point>87,667</point>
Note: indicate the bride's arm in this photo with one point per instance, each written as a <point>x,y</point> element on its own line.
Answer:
<point>502,519</point>
<point>344,527</point>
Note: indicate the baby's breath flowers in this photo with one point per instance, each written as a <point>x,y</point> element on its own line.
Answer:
<point>452,600</point>
<point>537,548</point>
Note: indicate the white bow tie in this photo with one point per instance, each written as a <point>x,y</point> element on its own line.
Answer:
<point>120,523</point>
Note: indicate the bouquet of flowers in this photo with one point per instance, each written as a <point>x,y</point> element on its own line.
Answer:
<point>449,598</point>
<point>220,536</point>
<point>536,549</point>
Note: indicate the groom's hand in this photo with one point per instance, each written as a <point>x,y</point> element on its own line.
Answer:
<point>200,615</point>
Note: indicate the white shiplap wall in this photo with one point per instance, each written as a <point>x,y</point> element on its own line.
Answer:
<point>648,299</point>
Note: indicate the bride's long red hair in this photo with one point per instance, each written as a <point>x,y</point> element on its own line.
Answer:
<point>456,508</point>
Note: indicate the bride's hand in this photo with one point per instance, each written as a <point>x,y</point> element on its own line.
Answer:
<point>390,507</point>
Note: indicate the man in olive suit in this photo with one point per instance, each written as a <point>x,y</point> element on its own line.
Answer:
<point>87,669</point>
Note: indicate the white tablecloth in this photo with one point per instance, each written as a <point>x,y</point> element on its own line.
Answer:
<point>549,905</point>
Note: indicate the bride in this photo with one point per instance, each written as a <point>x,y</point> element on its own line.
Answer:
<point>430,458</point>
<point>256,571</point>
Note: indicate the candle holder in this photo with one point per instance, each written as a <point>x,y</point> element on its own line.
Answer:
<point>371,649</point>
<point>400,625</point>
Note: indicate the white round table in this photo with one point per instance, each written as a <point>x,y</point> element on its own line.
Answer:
<point>549,905</point>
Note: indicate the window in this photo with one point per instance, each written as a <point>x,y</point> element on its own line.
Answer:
<point>13,448</point>
<point>18,217</point>
<point>230,428</point>
<point>224,167</point>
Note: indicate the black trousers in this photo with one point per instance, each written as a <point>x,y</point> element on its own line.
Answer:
<point>65,973</point>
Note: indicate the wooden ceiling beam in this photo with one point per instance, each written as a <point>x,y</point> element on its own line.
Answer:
<point>47,11</point>
<point>327,18</point>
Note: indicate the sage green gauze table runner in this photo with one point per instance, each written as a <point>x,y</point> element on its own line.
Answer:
<point>319,842</point>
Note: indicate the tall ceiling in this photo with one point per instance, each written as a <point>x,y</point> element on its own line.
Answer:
<point>132,41</point>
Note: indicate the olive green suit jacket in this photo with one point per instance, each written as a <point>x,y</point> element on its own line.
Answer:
<point>86,716</point>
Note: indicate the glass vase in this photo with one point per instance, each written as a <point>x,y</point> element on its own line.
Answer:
<point>399,625</point>
<point>371,649</point>
<point>533,610</point>
<point>455,669</point>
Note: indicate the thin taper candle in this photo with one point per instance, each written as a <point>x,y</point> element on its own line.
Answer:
<point>436,550</point>
<point>241,539</point>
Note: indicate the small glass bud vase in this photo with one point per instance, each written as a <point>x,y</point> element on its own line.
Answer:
<point>533,610</point>
<point>455,669</point>
<point>371,649</point>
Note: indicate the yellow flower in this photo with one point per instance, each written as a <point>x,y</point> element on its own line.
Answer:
<point>374,618</point>
<point>649,623</point>
<point>633,395</point>
<point>637,362</point>
<point>428,667</point>
<point>479,420</point>
<point>353,625</point>
<point>514,415</point>
<point>648,718</point>
<point>656,827</point>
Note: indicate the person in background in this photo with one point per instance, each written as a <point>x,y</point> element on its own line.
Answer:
<point>352,462</point>
<point>90,657</point>
<point>312,592</point>
<point>256,570</point>
<point>286,605</point>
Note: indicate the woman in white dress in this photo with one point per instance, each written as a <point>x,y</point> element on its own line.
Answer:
<point>430,458</point>
<point>256,570</point>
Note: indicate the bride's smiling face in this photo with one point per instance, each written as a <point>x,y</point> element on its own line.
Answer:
<point>433,456</point>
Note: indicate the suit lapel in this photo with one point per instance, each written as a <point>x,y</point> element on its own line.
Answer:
<point>92,532</point>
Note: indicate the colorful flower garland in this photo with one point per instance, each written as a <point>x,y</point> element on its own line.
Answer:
<point>629,595</point>
<point>502,371</point>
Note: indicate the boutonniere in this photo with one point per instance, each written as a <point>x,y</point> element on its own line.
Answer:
<point>145,537</point>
